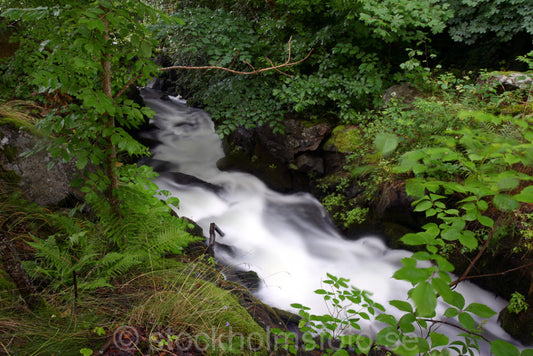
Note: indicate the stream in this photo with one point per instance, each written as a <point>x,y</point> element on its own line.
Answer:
<point>288,240</point>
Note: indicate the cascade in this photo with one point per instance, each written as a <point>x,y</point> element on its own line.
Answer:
<point>288,240</point>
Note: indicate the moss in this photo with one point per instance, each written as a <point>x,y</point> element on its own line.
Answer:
<point>345,139</point>
<point>314,120</point>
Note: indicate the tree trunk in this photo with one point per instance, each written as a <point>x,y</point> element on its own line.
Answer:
<point>10,260</point>
<point>111,151</point>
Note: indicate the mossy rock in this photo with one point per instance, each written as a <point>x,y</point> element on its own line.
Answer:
<point>519,326</point>
<point>345,139</point>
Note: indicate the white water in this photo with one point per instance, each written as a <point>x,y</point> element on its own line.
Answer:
<point>287,239</point>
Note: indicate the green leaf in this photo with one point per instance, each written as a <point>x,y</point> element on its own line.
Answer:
<point>442,288</point>
<point>438,339</point>
<point>480,310</point>
<point>406,323</point>
<point>508,183</point>
<point>482,205</point>
<point>364,343</point>
<point>387,336</point>
<point>81,162</point>
<point>86,351</point>
<point>468,239</point>
<point>486,221</point>
<point>451,234</point>
<point>385,143</point>
<point>413,274</point>
<point>414,239</point>
<point>467,321</point>
<point>402,305</point>
<point>423,205</point>
<point>526,195</point>
<point>503,348</point>
<point>414,188</point>
<point>456,299</point>
<point>425,299</point>
<point>505,202</point>
<point>451,312</point>
<point>145,49</point>
<point>387,319</point>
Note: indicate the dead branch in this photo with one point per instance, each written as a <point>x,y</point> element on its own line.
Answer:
<point>213,229</point>
<point>498,273</point>
<point>287,63</point>
<point>253,71</point>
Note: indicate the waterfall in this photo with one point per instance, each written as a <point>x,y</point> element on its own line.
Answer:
<point>288,240</point>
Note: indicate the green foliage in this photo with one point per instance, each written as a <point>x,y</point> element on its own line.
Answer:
<point>348,305</point>
<point>517,303</point>
<point>98,253</point>
<point>65,51</point>
<point>347,72</point>
<point>475,20</point>
<point>345,212</point>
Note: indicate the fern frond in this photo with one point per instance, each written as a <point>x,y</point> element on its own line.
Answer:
<point>171,240</point>
<point>117,263</point>
<point>95,284</point>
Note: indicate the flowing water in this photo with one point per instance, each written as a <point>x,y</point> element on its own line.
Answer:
<point>288,240</point>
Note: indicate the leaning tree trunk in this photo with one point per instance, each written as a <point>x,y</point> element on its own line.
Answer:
<point>10,260</point>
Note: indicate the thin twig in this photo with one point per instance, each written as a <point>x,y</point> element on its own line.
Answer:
<point>499,273</point>
<point>478,256</point>
<point>456,326</point>
<point>127,85</point>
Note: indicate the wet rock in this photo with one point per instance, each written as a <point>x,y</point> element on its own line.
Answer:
<point>519,326</point>
<point>283,162</point>
<point>310,164</point>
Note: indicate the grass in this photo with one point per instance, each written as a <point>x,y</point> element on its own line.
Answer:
<point>158,304</point>
<point>18,113</point>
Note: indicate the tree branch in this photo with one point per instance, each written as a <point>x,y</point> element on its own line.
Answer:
<point>287,63</point>
<point>498,273</point>
<point>253,71</point>
<point>457,326</point>
<point>127,85</point>
<point>478,256</point>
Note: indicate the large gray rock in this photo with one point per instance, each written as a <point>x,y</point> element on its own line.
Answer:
<point>405,93</point>
<point>44,186</point>
<point>511,80</point>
